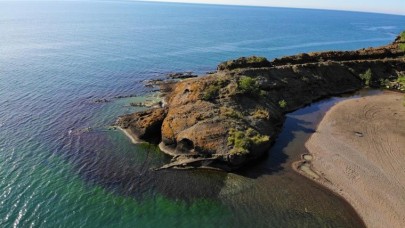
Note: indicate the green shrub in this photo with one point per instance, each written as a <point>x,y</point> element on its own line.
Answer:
<point>282,103</point>
<point>248,85</point>
<point>261,113</point>
<point>244,62</point>
<point>256,59</point>
<point>401,80</point>
<point>402,47</point>
<point>255,137</point>
<point>230,112</point>
<point>385,83</point>
<point>213,89</point>
<point>366,77</point>
<point>242,141</point>
<point>211,92</point>
<point>263,93</point>
<point>398,84</point>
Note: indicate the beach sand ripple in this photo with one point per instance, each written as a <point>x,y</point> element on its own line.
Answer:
<point>359,151</point>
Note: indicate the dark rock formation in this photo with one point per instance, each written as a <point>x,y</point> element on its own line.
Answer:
<point>145,125</point>
<point>244,62</point>
<point>181,75</point>
<point>228,118</point>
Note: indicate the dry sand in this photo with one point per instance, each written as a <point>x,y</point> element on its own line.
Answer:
<point>358,151</point>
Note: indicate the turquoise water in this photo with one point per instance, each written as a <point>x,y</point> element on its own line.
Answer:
<point>61,165</point>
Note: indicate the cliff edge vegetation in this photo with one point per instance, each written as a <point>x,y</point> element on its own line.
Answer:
<point>228,118</point>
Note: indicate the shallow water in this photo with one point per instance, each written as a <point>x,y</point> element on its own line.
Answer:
<point>60,164</point>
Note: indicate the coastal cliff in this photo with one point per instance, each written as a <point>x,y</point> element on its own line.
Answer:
<point>228,118</point>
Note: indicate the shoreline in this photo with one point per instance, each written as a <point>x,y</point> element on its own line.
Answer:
<point>354,155</point>
<point>238,111</point>
<point>134,139</point>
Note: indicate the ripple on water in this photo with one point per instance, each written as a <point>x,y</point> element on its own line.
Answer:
<point>50,178</point>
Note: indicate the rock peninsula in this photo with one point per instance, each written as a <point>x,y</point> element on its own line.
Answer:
<point>231,117</point>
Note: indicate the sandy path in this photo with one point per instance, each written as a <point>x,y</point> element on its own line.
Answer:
<point>359,152</point>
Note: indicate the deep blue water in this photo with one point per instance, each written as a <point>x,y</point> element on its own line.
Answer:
<point>60,164</point>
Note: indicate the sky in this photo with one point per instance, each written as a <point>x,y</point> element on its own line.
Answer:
<point>378,6</point>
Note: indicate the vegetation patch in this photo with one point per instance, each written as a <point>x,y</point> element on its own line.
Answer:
<point>398,84</point>
<point>366,77</point>
<point>256,59</point>
<point>401,81</point>
<point>282,103</point>
<point>245,62</point>
<point>261,113</point>
<point>230,112</point>
<point>402,45</point>
<point>385,83</point>
<point>248,85</point>
<point>242,141</point>
<point>212,91</point>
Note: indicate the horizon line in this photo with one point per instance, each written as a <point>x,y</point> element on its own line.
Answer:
<point>402,14</point>
<point>265,6</point>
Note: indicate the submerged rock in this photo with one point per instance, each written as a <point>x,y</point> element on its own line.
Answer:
<point>181,75</point>
<point>228,118</point>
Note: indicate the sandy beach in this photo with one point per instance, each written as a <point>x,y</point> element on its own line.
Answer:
<point>358,151</point>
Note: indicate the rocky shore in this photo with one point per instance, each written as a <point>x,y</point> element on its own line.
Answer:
<point>231,117</point>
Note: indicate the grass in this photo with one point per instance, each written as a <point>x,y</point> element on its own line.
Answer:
<point>282,103</point>
<point>242,141</point>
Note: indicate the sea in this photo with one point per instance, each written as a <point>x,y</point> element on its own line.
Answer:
<point>68,69</point>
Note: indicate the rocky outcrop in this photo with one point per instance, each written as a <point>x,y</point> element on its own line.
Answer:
<point>144,125</point>
<point>231,117</point>
<point>244,62</point>
<point>390,51</point>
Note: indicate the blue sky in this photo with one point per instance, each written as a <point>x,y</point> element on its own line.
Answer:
<point>380,6</point>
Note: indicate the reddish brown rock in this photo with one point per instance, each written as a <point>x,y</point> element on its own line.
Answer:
<point>145,125</point>
<point>228,118</point>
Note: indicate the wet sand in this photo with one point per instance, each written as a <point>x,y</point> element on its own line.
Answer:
<point>358,151</point>
<point>134,139</point>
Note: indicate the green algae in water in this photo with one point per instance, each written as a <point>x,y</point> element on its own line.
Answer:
<point>55,184</point>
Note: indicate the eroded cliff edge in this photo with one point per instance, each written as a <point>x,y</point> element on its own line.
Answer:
<point>231,117</point>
